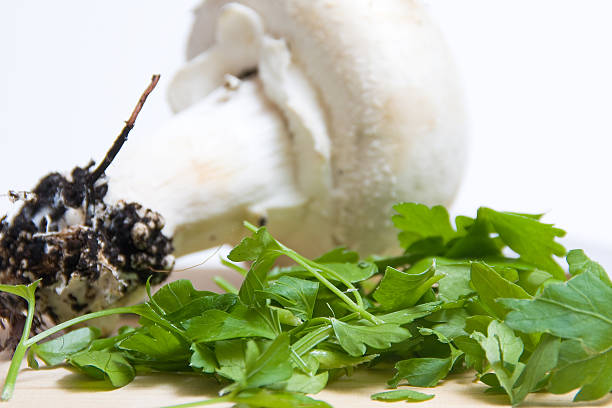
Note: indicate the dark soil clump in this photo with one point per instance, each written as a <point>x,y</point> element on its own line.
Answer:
<point>86,253</point>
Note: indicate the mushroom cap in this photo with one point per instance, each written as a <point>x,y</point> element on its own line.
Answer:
<point>370,93</point>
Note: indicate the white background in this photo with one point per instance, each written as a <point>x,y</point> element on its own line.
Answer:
<point>537,76</point>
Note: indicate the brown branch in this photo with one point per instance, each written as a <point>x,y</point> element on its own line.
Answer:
<point>112,152</point>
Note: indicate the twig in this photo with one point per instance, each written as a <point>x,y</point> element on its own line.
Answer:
<point>112,152</point>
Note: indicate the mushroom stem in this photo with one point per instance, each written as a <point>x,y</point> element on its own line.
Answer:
<point>224,160</point>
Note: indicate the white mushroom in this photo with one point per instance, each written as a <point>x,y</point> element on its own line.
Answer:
<point>345,108</point>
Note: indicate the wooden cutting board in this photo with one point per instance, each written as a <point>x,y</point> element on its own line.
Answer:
<point>61,387</point>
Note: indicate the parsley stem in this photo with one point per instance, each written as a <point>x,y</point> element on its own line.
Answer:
<point>76,320</point>
<point>351,305</point>
<point>250,226</point>
<point>338,277</point>
<point>20,351</point>
<point>297,360</point>
<point>225,285</point>
<point>309,341</point>
<point>314,269</point>
<point>212,401</point>
<point>233,266</point>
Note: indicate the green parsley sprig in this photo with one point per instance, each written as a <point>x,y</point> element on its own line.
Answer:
<point>485,294</point>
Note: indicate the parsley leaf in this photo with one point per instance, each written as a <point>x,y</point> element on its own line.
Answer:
<point>104,365</point>
<point>579,263</point>
<point>579,309</point>
<point>176,295</point>
<point>297,295</point>
<point>271,366</point>
<point>579,368</point>
<point>155,347</point>
<point>456,282</point>
<point>490,286</point>
<point>403,289</point>
<point>503,350</point>
<point>401,395</point>
<point>405,316</point>
<point>354,338</point>
<point>330,359</point>
<point>543,359</point>
<point>421,372</point>
<point>202,358</point>
<point>263,250</point>
<point>277,399</point>
<point>417,221</point>
<point>307,384</point>
<point>531,239</point>
<point>26,292</point>
<point>55,351</point>
<point>214,325</point>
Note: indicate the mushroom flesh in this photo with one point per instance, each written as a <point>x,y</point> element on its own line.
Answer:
<point>313,116</point>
